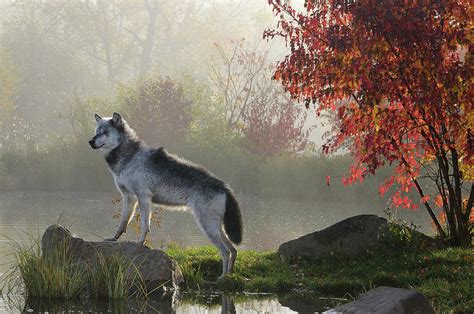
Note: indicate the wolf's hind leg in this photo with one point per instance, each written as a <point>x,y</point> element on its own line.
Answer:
<point>231,248</point>
<point>212,227</point>
<point>145,215</point>
<point>216,239</point>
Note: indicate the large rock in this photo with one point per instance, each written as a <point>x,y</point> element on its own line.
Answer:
<point>349,237</point>
<point>156,268</point>
<point>387,300</point>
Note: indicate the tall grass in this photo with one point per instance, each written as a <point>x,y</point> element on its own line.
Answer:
<point>54,275</point>
<point>115,277</point>
<point>59,275</point>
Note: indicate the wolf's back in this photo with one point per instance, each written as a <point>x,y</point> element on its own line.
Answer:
<point>232,218</point>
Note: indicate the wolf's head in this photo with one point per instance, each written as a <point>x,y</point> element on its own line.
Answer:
<point>109,133</point>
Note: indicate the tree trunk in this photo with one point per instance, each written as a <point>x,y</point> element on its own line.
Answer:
<point>149,42</point>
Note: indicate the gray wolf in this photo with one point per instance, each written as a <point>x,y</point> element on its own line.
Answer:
<point>152,175</point>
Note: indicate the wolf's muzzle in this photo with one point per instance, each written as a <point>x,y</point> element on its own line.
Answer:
<point>92,143</point>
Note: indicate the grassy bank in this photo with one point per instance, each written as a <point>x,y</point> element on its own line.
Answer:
<point>446,276</point>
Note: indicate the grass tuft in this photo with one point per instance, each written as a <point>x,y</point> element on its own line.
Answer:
<point>57,275</point>
<point>112,276</point>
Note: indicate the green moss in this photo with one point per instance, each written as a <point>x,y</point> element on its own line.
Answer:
<point>445,276</point>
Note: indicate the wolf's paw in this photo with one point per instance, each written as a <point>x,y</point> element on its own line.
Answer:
<point>221,278</point>
<point>110,239</point>
<point>140,242</point>
<point>143,243</point>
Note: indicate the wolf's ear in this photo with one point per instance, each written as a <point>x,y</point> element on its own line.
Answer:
<point>117,119</point>
<point>97,117</point>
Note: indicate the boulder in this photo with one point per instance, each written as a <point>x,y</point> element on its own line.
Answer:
<point>387,300</point>
<point>156,268</point>
<point>348,237</point>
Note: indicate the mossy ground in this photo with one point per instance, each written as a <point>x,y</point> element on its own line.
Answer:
<point>445,276</point>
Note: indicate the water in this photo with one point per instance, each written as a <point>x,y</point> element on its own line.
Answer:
<point>267,224</point>
<point>217,303</point>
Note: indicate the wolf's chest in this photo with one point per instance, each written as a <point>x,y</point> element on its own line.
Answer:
<point>130,181</point>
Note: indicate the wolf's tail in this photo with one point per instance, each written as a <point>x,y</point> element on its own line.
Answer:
<point>232,219</point>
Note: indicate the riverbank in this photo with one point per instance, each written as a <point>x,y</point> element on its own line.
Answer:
<point>445,276</point>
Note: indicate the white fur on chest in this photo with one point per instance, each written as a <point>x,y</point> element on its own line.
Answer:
<point>132,179</point>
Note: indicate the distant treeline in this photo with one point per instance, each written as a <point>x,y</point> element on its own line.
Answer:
<point>261,156</point>
<point>65,166</point>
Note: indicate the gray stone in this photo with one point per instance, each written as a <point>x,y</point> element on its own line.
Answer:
<point>156,268</point>
<point>348,237</point>
<point>387,300</point>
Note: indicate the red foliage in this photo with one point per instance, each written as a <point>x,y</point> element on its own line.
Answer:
<point>398,76</point>
<point>275,125</point>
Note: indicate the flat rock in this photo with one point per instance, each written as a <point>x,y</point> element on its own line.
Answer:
<point>387,300</point>
<point>156,268</point>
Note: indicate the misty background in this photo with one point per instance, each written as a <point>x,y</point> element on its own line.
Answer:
<point>193,76</point>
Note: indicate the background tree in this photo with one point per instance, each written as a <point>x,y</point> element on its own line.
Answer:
<point>275,124</point>
<point>158,109</point>
<point>255,106</point>
<point>398,74</point>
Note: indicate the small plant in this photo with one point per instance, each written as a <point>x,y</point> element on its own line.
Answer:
<point>193,275</point>
<point>400,234</point>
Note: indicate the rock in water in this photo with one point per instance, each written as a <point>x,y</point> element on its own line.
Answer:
<point>156,268</point>
<point>387,300</point>
<point>348,237</point>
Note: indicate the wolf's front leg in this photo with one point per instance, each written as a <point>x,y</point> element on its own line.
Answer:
<point>145,215</point>
<point>128,209</point>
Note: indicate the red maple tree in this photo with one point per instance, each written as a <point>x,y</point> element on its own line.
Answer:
<point>397,75</point>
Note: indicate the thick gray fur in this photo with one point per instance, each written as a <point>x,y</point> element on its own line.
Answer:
<point>151,175</point>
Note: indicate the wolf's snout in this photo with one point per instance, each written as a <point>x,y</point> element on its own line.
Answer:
<point>92,143</point>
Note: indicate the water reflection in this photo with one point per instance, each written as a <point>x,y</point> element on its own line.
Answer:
<point>255,305</point>
<point>216,303</point>
<point>42,305</point>
<point>227,305</point>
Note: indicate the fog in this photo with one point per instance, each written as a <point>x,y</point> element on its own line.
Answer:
<point>165,65</point>
<point>193,76</point>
